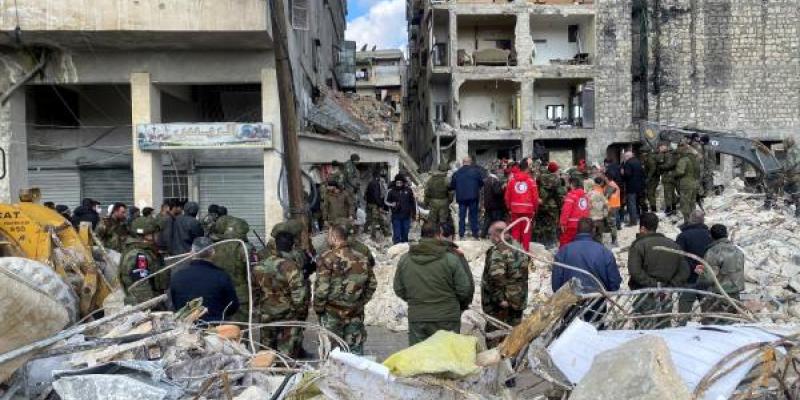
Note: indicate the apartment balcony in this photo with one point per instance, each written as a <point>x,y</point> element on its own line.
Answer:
<point>486,40</point>
<point>126,24</point>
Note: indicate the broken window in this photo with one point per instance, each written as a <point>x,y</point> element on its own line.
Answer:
<point>572,33</point>
<point>362,74</point>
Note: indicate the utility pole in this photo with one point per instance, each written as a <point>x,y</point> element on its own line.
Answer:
<point>291,152</point>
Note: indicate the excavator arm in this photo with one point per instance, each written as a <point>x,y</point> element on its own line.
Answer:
<point>748,150</point>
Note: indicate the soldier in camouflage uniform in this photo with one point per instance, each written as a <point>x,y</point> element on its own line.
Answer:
<point>345,283</point>
<point>282,296</point>
<point>438,197</point>
<point>551,193</point>
<point>351,177</point>
<point>504,286</point>
<point>686,173</point>
<point>652,176</point>
<point>667,160</point>
<point>140,259</point>
<point>374,196</point>
<point>792,169</point>
<point>231,258</point>
<point>338,207</point>
<point>113,230</point>
<point>210,219</point>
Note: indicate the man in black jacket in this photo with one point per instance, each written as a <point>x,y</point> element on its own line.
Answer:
<point>86,212</point>
<point>374,196</point>
<point>494,203</point>
<point>694,238</point>
<point>401,201</point>
<point>201,278</point>
<point>633,175</point>
<point>185,229</point>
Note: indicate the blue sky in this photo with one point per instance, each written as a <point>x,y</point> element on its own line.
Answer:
<point>380,23</point>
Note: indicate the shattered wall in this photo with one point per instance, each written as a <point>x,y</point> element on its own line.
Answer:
<point>723,64</point>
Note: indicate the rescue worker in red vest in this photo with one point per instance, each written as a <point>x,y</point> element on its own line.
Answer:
<point>576,206</point>
<point>522,200</point>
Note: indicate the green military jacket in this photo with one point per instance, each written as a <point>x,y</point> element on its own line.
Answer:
<point>208,223</point>
<point>436,187</point>
<point>345,283</point>
<point>551,192</point>
<point>651,169</point>
<point>453,248</point>
<point>112,233</point>
<point>350,177</point>
<point>666,166</point>
<point>652,268</point>
<point>727,260</point>
<point>686,169</point>
<point>231,258</point>
<point>135,250</point>
<point>505,278</point>
<point>282,289</point>
<point>433,282</point>
<point>792,165</point>
<point>337,207</point>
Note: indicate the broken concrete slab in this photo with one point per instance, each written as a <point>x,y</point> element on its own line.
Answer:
<point>641,369</point>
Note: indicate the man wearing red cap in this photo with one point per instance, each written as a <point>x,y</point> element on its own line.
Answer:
<point>576,206</point>
<point>522,200</point>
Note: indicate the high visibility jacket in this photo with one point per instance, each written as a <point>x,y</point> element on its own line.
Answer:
<point>576,206</point>
<point>522,194</point>
<point>614,199</point>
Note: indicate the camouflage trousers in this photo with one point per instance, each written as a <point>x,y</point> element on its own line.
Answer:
<point>688,201</point>
<point>375,222</point>
<point>545,230</point>
<point>351,329</point>
<point>440,211</point>
<point>652,189</point>
<point>670,195</point>
<point>419,331</point>
<point>287,340</point>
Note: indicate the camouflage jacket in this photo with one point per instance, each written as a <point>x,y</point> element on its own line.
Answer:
<point>550,191</point>
<point>727,260</point>
<point>686,169</point>
<point>230,258</point>
<point>436,188</point>
<point>345,283</point>
<point>112,233</point>
<point>505,278</point>
<point>350,177</point>
<point>139,260</point>
<point>337,207</point>
<point>666,165</point>
<point>651,170</point>
<point>282,290</point>
<point>792,163</point>
<point>598,202</point>
<point>208,223</point>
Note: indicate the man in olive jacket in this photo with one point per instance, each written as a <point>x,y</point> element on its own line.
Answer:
<point>434,283</point>
<point>649,268</point>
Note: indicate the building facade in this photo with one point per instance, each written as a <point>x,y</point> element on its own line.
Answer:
<point>381,74</point>
<point>82,77</point>
<point>573,78</point>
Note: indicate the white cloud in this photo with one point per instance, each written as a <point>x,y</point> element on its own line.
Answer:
<point>384,25</point>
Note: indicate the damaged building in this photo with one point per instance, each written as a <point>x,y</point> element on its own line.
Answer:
<point>572,79</point>
<point>380,75</point>
<point>142,102</point>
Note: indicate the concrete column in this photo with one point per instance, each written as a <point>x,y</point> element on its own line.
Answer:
<point>452,40</point>
<point>527,146</point>
<point>148,183</point>
<point>526,93</point>
<point>462,148</point>
<point>271,110</point>
<point>14,141</point>
<point>523,41</point>
<point>455,86</point>
<point>394,166</point>
<point>595,151</point>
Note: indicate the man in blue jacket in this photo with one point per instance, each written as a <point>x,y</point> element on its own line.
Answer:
<point>467,183</point>
<point>587,254</point>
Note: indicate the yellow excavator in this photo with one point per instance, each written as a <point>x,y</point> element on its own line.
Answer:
<point>33,231</point>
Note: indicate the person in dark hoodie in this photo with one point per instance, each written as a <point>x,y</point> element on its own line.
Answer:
<point>186,228</point>
<point>695,239</point>
<point>401,201</point>
<point>86,212</point>
<point>434,283</point>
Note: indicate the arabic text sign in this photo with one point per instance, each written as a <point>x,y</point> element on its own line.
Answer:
<point>203,135</point>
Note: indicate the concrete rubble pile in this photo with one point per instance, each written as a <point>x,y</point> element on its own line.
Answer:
<point>378,116</point>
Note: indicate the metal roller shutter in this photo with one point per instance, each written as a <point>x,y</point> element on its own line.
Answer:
<point>108,186</point>
<point>241,190</point>
<point>62,186</point>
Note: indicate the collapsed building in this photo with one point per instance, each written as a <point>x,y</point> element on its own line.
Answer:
<point>572,79</point>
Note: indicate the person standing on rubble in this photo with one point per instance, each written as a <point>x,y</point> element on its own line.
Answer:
<point>338,207</point>
<point>589,255</point>
<point>403,204</point>
<point>634,176</point>
<point>467,183</point>
<point>435,285</point>
<point>652,178</point>
<point>792,169</point>
<point>345,283</point>
<point>494,204</point>
<point>504,285</point>
<point>727,262</point>
<point>204,279</point>
<point>551,193</point>
<point>575,207</point>
<point>522,201</point>
<point>447,238</point>
<point>113,230</point>
<point>666,167</point>
<point>283,296</point>
<point>686,172</point>
<point>140,259</point>
<point>437,196</point>
<point>374,195</point>
<point>351,177</point>
<point>650,268</point>
<point>232,258</point>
